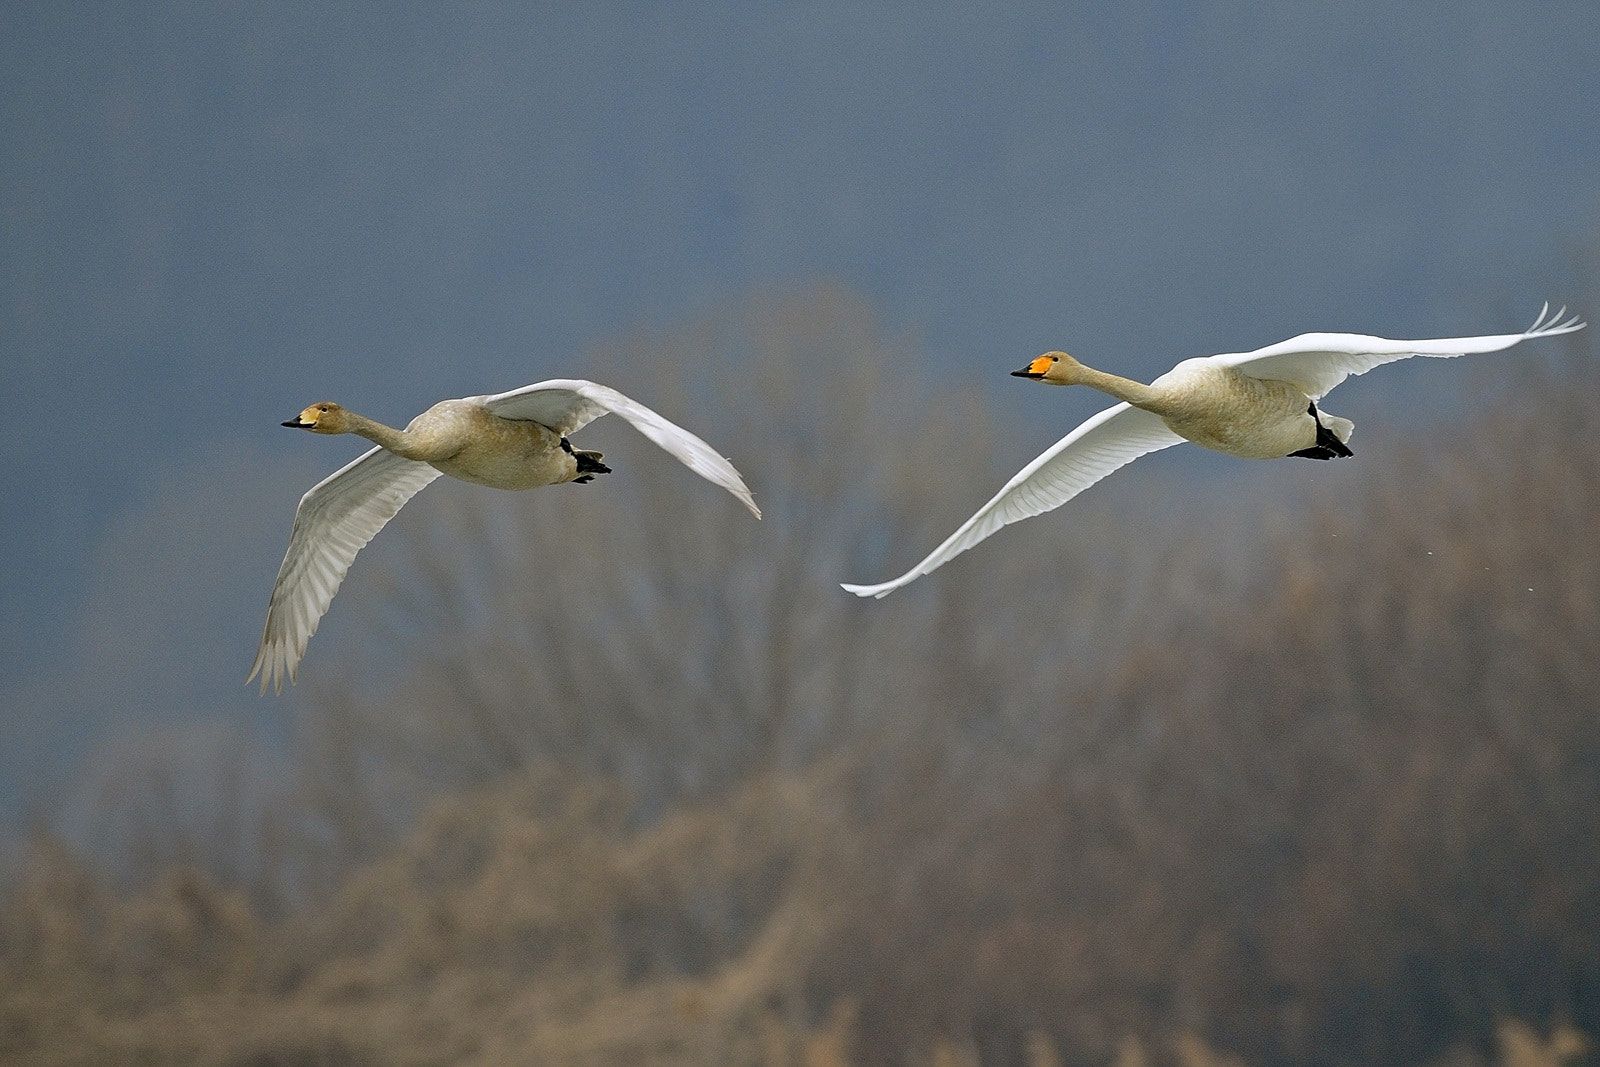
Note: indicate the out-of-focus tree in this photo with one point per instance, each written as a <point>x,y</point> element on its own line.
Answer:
<point>626,778</point>
<point>639,628</point>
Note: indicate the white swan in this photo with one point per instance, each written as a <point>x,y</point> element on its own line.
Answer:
<point>515,440</point>
<point>1259,405</point>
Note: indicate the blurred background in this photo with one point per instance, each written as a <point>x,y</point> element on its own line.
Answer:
<point>1223,763</point>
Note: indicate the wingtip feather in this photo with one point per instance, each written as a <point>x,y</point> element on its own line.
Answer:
<point>734,483</point>
<point>1539,318</point>
<point>274,667</point>
<point>267,668</point>
<point>1548,324</point>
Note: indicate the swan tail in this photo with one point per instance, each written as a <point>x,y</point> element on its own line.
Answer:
<point>589,465</point>
<point>1340,428</point>
<point>1332,433</point>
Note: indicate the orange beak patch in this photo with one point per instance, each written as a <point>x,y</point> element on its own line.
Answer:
<point>1034,370</point>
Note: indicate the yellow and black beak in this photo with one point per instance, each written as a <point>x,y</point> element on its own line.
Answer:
<point>297,423</point>
<point>1035,370</point>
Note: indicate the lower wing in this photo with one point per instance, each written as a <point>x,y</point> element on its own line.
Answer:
<point>335,520</point>
<point>1111,439</point>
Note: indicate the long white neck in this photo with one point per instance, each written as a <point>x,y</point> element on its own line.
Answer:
<point>1138,394</point>
<point>418,446</point>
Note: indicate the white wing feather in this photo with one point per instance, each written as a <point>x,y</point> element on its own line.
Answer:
<point>335,520</point>
<point>566,405</point>
<point>1317,362</point>
<point>1104,442</point>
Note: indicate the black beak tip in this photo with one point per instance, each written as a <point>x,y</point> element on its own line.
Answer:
<point>1025,373</point>
<point>293,424</point>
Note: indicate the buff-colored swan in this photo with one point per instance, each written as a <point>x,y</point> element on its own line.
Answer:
<point>515,440</point>
<point>1259,405</point>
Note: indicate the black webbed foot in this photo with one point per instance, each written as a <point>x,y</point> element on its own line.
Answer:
<point>1328,445</point>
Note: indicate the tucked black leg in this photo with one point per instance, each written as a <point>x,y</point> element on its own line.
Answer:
<point>1328,445</point>
<point>588,465</point>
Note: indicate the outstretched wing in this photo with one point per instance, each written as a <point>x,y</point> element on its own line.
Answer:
<point>1113,438</point>
<point>335,520</point>
<point>566,405</point>
<point>1317,362</point>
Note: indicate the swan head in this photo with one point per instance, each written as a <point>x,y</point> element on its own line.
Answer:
<point>323,417</point>
<point>1053,367</point>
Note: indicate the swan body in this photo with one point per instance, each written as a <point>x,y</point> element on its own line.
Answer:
<point>489,450</point>
<point>515,440</point>
<point>1227,411</point>
<point>1256,405</point>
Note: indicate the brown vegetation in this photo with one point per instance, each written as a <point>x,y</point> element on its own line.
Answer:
<point>642,785</point>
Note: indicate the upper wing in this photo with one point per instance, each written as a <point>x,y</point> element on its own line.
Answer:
<point>1316,362</point>
<point>568,404</point>
<point>1105,441</point>
<point>335,520</point>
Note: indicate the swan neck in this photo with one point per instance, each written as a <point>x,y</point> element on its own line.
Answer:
<point>1138,394</point>
<point>397,441</point>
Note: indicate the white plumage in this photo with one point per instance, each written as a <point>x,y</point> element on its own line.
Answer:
<point>514,440</point>
<point>1257,404</point>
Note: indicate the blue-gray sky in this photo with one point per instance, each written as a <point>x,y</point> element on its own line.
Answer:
<point>212,214</point>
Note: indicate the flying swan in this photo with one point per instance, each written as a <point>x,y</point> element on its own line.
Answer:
<point>515,440</point>
<point>1258,405</point>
